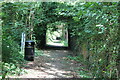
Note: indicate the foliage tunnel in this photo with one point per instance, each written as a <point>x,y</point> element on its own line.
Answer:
<point>93,31</point>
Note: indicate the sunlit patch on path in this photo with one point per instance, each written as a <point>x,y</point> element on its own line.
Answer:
<point>52,64</point>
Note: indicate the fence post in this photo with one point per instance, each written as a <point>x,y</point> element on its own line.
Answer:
<point>23,42</point>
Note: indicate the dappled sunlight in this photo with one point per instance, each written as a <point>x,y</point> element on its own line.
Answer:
<point>57,35</point>
<point>90,29</point>
<point>55,44</point>
<point>63,51</point>
<point>51,64</point>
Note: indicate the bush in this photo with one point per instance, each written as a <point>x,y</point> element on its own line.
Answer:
<point>10,51</point>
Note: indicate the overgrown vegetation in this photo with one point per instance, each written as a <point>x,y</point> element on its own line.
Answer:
<point>93,30</point>
<point>97,37</point>
<point>56,34</point>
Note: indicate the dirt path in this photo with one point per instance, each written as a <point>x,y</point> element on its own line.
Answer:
<point>52,64</point>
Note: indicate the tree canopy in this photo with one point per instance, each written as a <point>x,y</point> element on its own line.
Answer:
<point>93,27</point>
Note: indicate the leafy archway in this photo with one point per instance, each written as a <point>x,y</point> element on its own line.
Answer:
<point>57,34</point>
<point>93,31</point>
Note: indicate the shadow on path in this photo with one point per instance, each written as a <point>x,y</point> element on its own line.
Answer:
<point>52,64</point>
